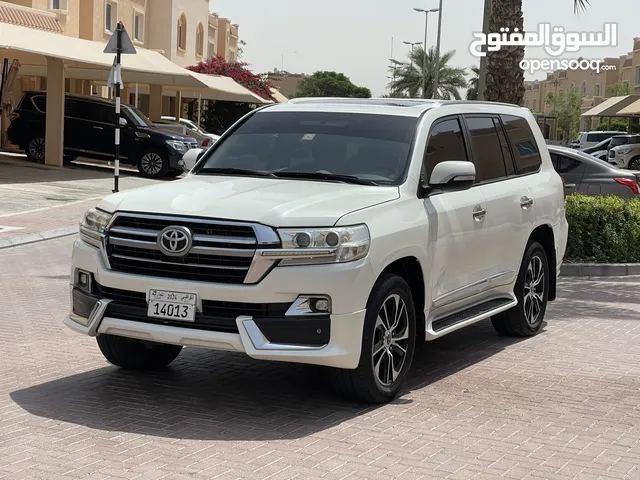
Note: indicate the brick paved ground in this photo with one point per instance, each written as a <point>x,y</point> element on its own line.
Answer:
<point>562,405</point>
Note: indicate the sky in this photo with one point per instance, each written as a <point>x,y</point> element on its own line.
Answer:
<point>354,36</point>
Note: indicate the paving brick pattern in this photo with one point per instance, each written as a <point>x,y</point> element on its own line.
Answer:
<point>562,405</point>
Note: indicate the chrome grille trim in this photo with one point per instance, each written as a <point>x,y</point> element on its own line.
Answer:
<point>131,246</point>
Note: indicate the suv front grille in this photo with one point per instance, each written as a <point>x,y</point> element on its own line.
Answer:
<point>221,251</point>
<point>612,154</point>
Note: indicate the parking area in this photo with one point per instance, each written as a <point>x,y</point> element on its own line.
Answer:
<point>562,405</point>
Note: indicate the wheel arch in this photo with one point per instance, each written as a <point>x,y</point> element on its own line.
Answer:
<point>543,234</point>
<point>410,269</point>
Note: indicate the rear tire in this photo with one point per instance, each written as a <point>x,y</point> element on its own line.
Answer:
<point>388,344</point>
<point>36,149</point>
<point>532,292</point>
<point>132,354</point>
<point>153,164</point>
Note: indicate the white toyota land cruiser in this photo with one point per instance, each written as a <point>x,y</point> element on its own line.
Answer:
<point>335,232</point>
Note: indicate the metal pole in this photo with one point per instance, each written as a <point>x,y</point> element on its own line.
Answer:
<point>437,72</point>
<point>482,77</point>
<point>136,99</point>
<point>393,75</point>
<point>117,139</point>
<point>424,57</point>
<point>199,109</point>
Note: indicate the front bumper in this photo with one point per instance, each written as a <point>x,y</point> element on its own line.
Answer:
<point>174,160</point>
<point>347,285</point>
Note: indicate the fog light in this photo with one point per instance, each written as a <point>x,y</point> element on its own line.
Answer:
<point>320,305</point>
<point>84,280</point>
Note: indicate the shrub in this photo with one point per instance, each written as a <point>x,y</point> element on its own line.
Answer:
<point>603,229</point>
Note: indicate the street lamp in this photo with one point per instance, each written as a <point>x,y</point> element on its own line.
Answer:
<point>437,72</point>
<point>413,44</point>
<point>424,57</point>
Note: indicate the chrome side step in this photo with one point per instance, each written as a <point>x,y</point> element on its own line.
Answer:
<point>442,326</point>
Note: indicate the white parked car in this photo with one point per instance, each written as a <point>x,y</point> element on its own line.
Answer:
<point>335,232</point>
<point>589,139</point>
<point>206,139</point>
<point>626,152</point>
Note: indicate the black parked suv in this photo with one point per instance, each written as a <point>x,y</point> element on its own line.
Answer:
<point>89,131</point>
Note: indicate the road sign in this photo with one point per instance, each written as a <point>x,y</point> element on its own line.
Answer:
<point>120,43</point>
<point>126,45</point>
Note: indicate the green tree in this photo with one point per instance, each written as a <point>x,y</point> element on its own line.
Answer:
<point>566,107</point>
<point>241,45</point>
<point>409,76</point>
<point>619,89</point>
<point>504,77</point>
<point>330,84</point>
<point>472,87</point>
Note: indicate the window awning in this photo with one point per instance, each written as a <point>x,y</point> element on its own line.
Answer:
<point>611,107</point>
<point>84,59</point>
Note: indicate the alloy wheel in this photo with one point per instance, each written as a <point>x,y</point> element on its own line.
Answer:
<point>36,148</point>
<point>634,164</point>
<point>533,291</point>
<point>151,163</point>
<point>390,340</point>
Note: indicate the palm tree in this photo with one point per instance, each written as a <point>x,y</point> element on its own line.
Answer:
<point>409,75</point>
<point>505,78</point>
<point>472,91</point>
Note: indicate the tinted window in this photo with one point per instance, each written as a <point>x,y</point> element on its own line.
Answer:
<point>487,152</point>
<point>523,144</point>
<point>40,102</point>
<point>506,153</point>
<point>370,147</point>
<point>445,143</point>
<point>594,137</point>
<point>617,141</point>
<point>564,164</point>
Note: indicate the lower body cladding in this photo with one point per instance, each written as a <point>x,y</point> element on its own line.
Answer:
<point>312,315</point>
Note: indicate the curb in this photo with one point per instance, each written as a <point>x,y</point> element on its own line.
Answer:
<point>599,269</point>
<point>28,238</point>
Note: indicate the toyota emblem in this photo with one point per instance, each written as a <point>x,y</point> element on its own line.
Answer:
<point>175,241</point>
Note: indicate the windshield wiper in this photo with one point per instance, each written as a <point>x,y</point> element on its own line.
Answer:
<point>234,171</point>
<point>325,176</point>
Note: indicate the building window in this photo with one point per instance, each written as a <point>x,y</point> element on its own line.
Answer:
<point>110,16</point>
<point>212,49</point>
<point>626,84</point>
<point>182,32</point>
<point>138,26</point>
<point>535,104</point>
<point>584,87</point>
<point>596,90</point>
<point>200,40</point>
<point>638,76</point>
<point>58,4</point>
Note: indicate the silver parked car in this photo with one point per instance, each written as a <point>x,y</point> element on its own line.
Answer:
<point>586,174</point>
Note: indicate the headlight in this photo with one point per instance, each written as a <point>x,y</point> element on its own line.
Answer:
<point>321,245</point>
<point>177,145</point>
<point>624,151</point>
<point>93,225</point>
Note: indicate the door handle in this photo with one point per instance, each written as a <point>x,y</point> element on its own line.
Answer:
<point>526,202</point>
<point>98,128</point>
<point>570,185</point>
<point>479,213</point>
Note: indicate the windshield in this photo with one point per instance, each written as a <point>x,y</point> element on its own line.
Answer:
<point>617,141</point>
<point>135,116</point>
<point>364,146</point>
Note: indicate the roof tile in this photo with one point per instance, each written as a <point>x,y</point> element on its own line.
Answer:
<point>30,18</point>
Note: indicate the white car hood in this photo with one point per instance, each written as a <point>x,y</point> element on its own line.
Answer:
<point>274,202</point>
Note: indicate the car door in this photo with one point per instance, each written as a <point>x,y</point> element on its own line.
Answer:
<point>77,127</point>
<point>508,198</point>
<point>572,171</point>
<point>456,221</point>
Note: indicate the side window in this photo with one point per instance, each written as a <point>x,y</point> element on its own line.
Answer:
<point>594,137</point>
<point>523,144</point>
<point>445,143</point>
<point>486,148</point>
<point>506,153</point>
<point>40,102</point>
<point>564,164</point>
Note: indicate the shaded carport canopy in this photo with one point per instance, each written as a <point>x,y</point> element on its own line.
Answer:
<point>632,110</point>
<point>84,59</point>
<point>612,107</point>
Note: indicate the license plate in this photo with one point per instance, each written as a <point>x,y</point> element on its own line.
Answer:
<point>180,306</point>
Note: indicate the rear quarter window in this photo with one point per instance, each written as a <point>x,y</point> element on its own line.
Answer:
<point>523,144</point>
<point>39,103</point>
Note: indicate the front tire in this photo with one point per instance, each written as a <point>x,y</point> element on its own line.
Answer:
<point>35,149</point>
<point>532,292</point>
<point>634,164</point>
<point>132,354</point>
<point>153,164</point>
<point>388,344</point>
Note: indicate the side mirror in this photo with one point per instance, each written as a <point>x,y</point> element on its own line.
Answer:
<point>190,158</point>
<point>123,122</point>
<point>453,175</point>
